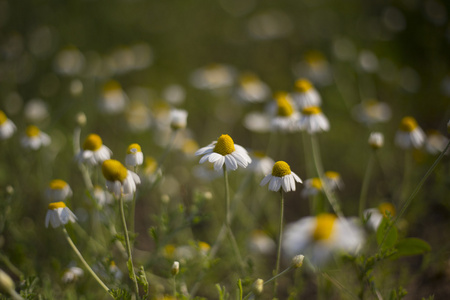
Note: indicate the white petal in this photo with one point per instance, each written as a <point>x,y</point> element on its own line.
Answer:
<point>47,218</point>
<point>204,158</point>
<point>230,162</point>
<point>296,177</point>
<point>266,180</point>
<point>213,157</point>
<point>207,149</point>
<point>219,163</point>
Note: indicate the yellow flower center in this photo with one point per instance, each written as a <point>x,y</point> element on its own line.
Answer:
<point>57,184</point>
<point>150,165</point>
<point>203,246</point>
<point>133,149</point>
<point>56,205</point>
<point>332,175</point>
<point>312,110</point>
<point>408,124</point>
<point>386,207</point>
<point>324,227</point>
<point>93,142</point>
<point>224,145</point>
<point>111,85</point>
<point>169,250</point>
<point>284,106</point>
<point>32,131</point>
<point>280,169</point>
<point>316,183</point>
<point>303,85</point>
<point>3,117</point>
<point>113,170</point>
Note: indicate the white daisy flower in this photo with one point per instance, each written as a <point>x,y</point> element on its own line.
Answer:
<point>320,236</point>
<point>178,119</point>
<point>150,168</point>
<point>261,243</point>
<point>35,111</point>
<point>7,127</point>
<point>281,176</point>
<point>316,67</point>
<point>101,196</point>
<point>72,274</point>
<point>119,180</point>
<point>376,140</point>
<point>257,122</point>
<point>213,76</point>
<point>115,271</point>
<point>138,116</point>
<point>174,94</point>
<point>334,180</point>
<point>34,138</point>
<point>58,190</point>
<point>94,152</point>
<point>409,135</point>
<point>251,89</point>
<point>261,163</point>
<point>374,216</point>
<point>312,187</point>
<point>372,111</point>
<point>286,118</point>
<point>305,94</point>
<point>313,120</point>
<point>59,214</point>
<point>435,142</point>
<point>113,99</point>
<point>134,156</point>
<point>224,151</point>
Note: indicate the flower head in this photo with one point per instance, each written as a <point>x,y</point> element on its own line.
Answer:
<point>261,163</point>
<point>252,89</point>
<point>34,138</point>
<point>371,112</point>
<point>305,94</point>
<point>178,119</point>
<point>58,190</point>
<point>334,180</point>
<point>409,135</point>
<point>374,216</point>
<point>134,156</point>
<point>281,176</point>
<point>119,180</point>
<point>286,117</point>
<point>72,274</point>
<point>213,76</point>
<point>59,214</point>
<point>224,151</point>
<point>312,187</point>
<point>376,140</point>
<point>113,99</point>
<point>435,142</point>
<point>313,120</point>
<point>93,151</point>
<point>7,127</point>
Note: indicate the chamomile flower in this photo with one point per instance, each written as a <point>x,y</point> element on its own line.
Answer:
<point>312,187</point>
<point>119,180</point>
<point>320,236</point>
<point>34,138</point>
<point>178,119</point>
<point>257,122</point>
<point>101,196</point>
<point>59,214</point>
<point>374,216</point>
<point>58,190</point>
<point>251,89</point>
<point>305,94</point>
<point>213,76</point>
<point>261,243</point>
<point>7,127</point>
<point>261,163</point>
<point>334,180</point>
<point>113,99</point>
<point>281,176</point>
<point>435,142</point>
<point>372,111</point>
<point>150,169</point>
<point>313,120</point>
<point>134,156</point>
<point>376,140</point>
<point>286,117</point>
<point>224,151</point>
<point>409,134</point>
<point>316,67</point>
<point>93,152</point>
<point>72,274</point>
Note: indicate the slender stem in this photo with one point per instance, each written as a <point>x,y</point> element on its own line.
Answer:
<point>133,207</point>
<point>280,236</point>
<point>406,175</point>
<point>227,196</point>
<point>365,184</point>
<point>77,252</point>
<point>174,287</point>
<point>272,279</point>
<point>128,246</point>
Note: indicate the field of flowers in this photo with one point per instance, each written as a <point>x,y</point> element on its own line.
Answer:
<point>224,149</point>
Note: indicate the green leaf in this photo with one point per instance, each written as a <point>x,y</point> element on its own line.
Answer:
<point>411,246</point>
<point>386,234</point>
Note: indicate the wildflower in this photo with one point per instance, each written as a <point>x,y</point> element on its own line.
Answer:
<point>203,247</point>
<point>113,99</point>
<point>35,111</point>
<point>258,287</point>
<point>115,271</point>
<point>134,156</point>
<point>72,274</point>
<point>59,214</point>
<point>213,76</point>
<point>257,122</point>
<point>409,135</point>
<point>319,236</point>
<point>261,243</point>
<point>34,138</point>
<point>261,164</point>
<point>316,67</point>
<point>58,190</point>
<point>81,119</point>
<point>312,187</point>
<point>101,196</point>
<point>305,94</point>
<point>251,89</point>
<point>138,116</point>
<point>286,118</point>
<point>224,151</point>
<point>313,120</point>
<point>435,142</point>
<point>281,176</point>
<point>119,180</point>
<point>374,216</point>
<point>7,127</point>
<point>334,180</point>
<point>150,168</point>
<point>174,94</point>
<point>94,152</point>
<point>372,111</point>
<point>69,61</point>
<point>297,261</point>
<point>175,268</point>
<point>178,119</point>
<point>376,140</point>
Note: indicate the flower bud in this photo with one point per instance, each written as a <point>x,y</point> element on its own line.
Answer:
<point>258,287</point>
<point>297,261</point>
<point>376,140</point>
<point>175,268</point>
<point>81,119</point>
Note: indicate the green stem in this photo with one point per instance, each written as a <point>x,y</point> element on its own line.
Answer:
<point>406,175</point>
<point>77,252</point>
<point>133,207</point>
<point>174,287</point>
<point>365,185</point>
<point>272,279</point>
<point>280,236</point>
<point>128,246</point>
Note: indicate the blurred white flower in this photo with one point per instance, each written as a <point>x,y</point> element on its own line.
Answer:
<point>281,177</point>
<point>257,122</point>
<point>72,274</point>
<point>305,94</point>
<point>58,190</point>
<point>435,142</point>
<point>315,67</point>
<point>7,127</point>
<point>113,99</point>
<point>261,164</point>
<point>312,187</point>
<point>34,138</point>
<point>213,76</point>
<point>259,242</point>
<point>376,140</point>
<point>286,117</point>
<point>409,135</point>
<point>59,214</point>
<point>138,116</point>
<point>178,119</point>
<point>69,61</point>
<point>35,111</point>
<point>251,89</point>
<point>174,94</point>
<point>374,216</point>
<point>119,180</point>
<point>313,120</point>
<point>93,151</point>
<point>334,180</point>
<point>372,111</point>
<point>101,196</point>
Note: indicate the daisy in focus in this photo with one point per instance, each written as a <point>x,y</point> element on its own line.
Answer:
<point>134,156</point>
<point>374,216</point>
<point>320,236</point>
<point>281,177</point>
<point>224,151</point>
<point>119,180</point>
<point>409,134</point>
<point>286,117</point>
<point>58,190</point>
<point>93,151</point>
<point>313,120</point>
<point>305,94</point>
<point>59,214</point>
<point>7,127</point>
<point>34,138</point>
